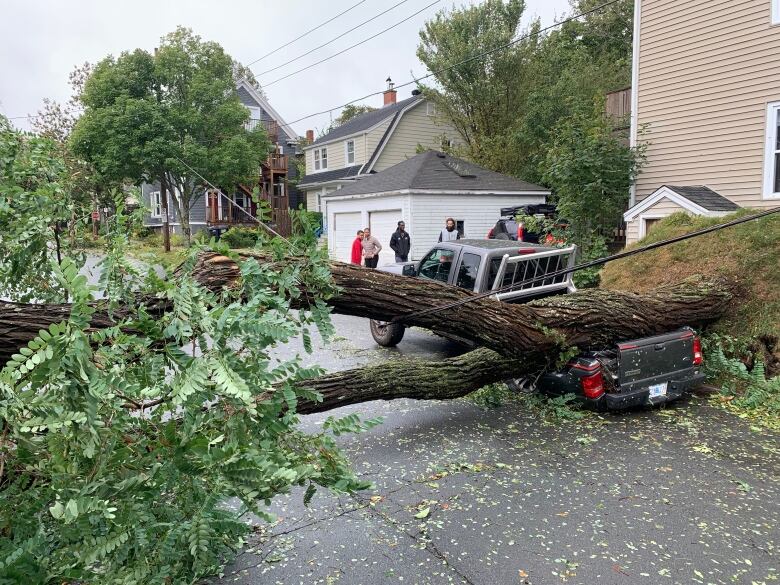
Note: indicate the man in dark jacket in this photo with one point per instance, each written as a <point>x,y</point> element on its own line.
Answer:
<point>401,243</point>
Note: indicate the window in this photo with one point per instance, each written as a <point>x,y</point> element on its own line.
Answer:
<point>772,155</point>
<point>468,271</point>
<point>430,109</point>
<point>437,265</point>
<point>241,200</point>
<point>775,11</point>
<point>350,152</point>
<point>320,159</point>
<point>155,203</point>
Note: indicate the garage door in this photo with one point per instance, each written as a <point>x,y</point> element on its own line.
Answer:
<point>343,230</point>
<point>383,224</point>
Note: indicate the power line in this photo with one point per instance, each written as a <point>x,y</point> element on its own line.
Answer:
<point>352,46</point>
<point>277,49</point>
<point>597,262</point>
<point>468,60</point>
<point>333,39</point>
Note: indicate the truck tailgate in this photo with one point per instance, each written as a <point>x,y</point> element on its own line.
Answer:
<point>654,360</point>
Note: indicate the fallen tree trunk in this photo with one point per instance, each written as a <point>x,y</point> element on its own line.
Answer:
<point>585,319</point>
<point>418,379</point>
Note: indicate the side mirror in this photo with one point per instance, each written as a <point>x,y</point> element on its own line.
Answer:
<point>409,270</point>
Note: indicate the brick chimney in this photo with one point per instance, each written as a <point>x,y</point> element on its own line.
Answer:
<point>309,136</point>
<point>389,93</point>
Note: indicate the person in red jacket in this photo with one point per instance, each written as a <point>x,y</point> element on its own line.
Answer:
<point>357,249</point>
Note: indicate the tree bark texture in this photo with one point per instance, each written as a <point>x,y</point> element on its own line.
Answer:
<point>418,379</point>
<point>586,319</point>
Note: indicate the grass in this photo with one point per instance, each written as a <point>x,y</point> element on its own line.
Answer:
<point>748,254</point>
<point>150,250</point>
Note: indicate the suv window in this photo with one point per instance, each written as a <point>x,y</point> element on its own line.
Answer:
<point>467,273</point>
<point>437,265</point>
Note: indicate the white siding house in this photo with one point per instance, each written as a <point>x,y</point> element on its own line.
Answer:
<point>423,191</point>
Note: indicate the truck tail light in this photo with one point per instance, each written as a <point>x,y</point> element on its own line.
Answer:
<point>593,385</point>
<point>520,232</point>
<point>490,234</point>
<point>698,357</point>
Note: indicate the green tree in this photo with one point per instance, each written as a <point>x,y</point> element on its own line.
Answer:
<point>37,212</point>
<point>507,104</point>
<point>479,97</point>
<point>121,441</point>
<point>590,170</point>
<point>148,117</point>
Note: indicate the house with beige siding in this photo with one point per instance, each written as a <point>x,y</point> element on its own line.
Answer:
<point>706,102</point>
<point>370,143</point>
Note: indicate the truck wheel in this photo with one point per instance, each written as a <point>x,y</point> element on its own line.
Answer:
<point>522,385</point>
<point>387,335</point>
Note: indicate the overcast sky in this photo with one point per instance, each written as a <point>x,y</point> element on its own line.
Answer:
<point>44,39</point>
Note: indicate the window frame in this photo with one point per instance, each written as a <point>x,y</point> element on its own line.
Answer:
<point>771,150</point>
<point>430,108</point>
<point>155,202</point>
<point>324,158</point>
<point>347,153</point>
<point>461,264</point>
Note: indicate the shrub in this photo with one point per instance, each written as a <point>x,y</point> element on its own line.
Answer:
<point>240,237</point>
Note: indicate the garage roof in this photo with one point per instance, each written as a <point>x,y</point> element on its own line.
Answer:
<point>434,170</point>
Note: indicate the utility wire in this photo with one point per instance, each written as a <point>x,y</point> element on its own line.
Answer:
<point>351,47</point>
<point>332,40</point>
<point>467,60</point>
<point>597,262</point>
<point>277,49</point>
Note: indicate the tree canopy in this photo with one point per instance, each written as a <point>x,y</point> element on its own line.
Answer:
<point>146,115</point>
<point>512,105</point>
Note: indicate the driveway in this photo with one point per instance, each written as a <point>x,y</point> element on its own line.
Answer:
<point>466,494</point>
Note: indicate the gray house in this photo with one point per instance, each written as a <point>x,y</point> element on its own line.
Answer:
<point>213,210</point>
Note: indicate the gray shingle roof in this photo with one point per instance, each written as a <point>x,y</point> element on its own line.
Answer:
<point>345,173</point>
<point>705,197</point>
<point>366,121</point>
<point>436,170</point>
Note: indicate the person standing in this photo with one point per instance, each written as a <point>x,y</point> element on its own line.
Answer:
<point>401,243</point>
<point>371,248</point>
<point>450,232</point>
<point>357,249</point>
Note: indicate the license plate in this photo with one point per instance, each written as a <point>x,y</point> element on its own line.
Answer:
<point>657,390</point>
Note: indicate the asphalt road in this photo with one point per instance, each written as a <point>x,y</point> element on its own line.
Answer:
<point>474,495</point>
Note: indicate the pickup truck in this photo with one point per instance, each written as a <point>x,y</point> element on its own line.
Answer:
<point>645,371</point>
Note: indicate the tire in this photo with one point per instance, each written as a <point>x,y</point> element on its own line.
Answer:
<point>387,335</point>
<point>521,385</point>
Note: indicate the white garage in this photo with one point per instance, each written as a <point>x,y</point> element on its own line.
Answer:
<point>423,191</point>
<point>344,228</point>
<point>383,224</point>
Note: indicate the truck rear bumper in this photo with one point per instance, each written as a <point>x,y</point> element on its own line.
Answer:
<point>641,396</point>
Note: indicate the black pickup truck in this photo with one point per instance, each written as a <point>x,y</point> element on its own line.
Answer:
<point>646,371</point>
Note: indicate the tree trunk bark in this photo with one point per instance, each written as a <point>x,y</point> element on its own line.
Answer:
<point>417,379</point>
<point>585,319</point>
